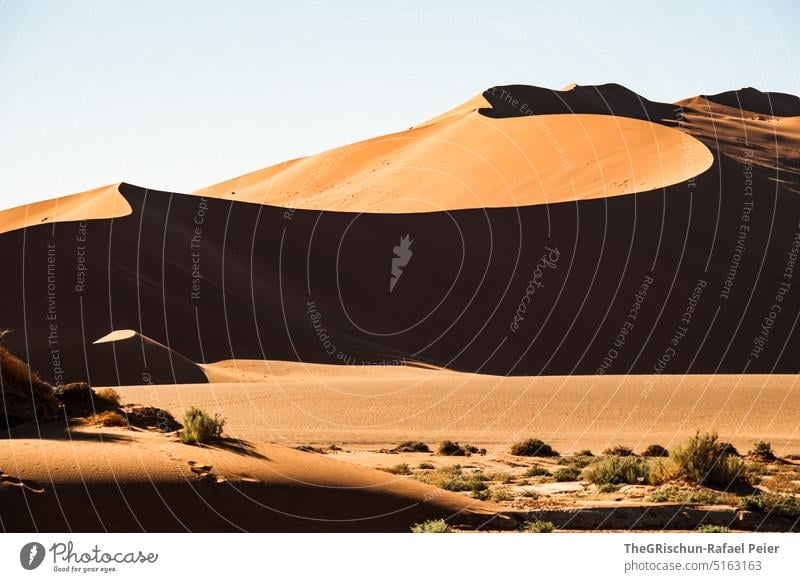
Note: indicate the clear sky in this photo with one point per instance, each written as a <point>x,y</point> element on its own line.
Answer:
<point>176,95</point>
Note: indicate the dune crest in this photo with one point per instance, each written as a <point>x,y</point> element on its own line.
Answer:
<point>103,202</point>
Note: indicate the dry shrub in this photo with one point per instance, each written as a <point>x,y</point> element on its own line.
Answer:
<point>26,396</point>
<point>107,418</point>
<point>532,448</point>
<point>108,396</point>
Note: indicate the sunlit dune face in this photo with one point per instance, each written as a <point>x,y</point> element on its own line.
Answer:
<point>466,160</point>
<point>104,202</point>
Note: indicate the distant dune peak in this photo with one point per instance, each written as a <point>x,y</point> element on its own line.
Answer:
<point>760,102</point>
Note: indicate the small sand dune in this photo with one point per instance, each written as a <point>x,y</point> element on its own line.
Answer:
<point>103,202</point>
<point>133,480</point>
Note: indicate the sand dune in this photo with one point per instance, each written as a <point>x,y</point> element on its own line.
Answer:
<point>121,480</point>
<point>368,404</point>
<point>104,202</point>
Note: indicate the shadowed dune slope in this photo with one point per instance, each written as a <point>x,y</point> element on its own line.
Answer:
<point>139,481</point>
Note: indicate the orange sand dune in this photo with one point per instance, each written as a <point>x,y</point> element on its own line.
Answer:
<point>134,480</point>
<point>103,202</point>
<point>463,159</point>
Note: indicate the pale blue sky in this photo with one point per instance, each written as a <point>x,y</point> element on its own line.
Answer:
<point>175,95</point>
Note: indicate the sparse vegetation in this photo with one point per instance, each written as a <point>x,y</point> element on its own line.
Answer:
<point>530,494</point>
<point>411,447</point>
<point>454,478</point>
<point>619,451</point>
<point>107,418</point>
<point>532,448</point>
<point>774,504</point>
<point>584,453</point>
<point>701,495</point>
<point>565,474</point>
<point>705,460</point>
<point>711,528</point>
<point>201,427</point>
<point>426,466</point>
<point>579,461</point>
<point>762,451</point>
<point>401,469</point>
<point>617,470</point>
<point>539,526</point>
<point>108,396</point>
<point>432,526</point>
<point>453,449</point>
<point>655,451</point>
<point>536,471</point>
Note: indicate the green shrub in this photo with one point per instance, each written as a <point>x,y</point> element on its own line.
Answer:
<point>655,451</point>
<point>619,451</point>
<point>411,447</point>
<point>567,474</point>
<point>200,427</point>
<point>617,471</point>
<point>536,471</point>
<point>706,461</point>
<point>773,504</point>
<point>453,478</point>
<point>539,526</point>
<point>710,528</point>
<point>532,448</point>
<point>432,526</point>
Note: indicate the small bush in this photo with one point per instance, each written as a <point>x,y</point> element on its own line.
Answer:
<point>655,451</point>
<point>536,471</point>
<point>617,471</point>
<point>773,503</point>
<point>530,494</point>
<point>108,418</point>
<point>609,488</point>
<point>108,396</point>
<point>432,526</point>
<point>200,427</point>
<point>452,449</point>
<point>532,448</point>
<point>703,496</point>
<point>539,526</point>
<point>565,474</point>
<point>705,461</point>
<point>412,447</point>
<point>426,466</point>
<point>762,450</point>
<point>579,461</point>
<point>710,528</point>
<point>584,453</point>
<point>401,469</point>
<point>619,451</point>
<point>727,448</point>
<point>453,478</point>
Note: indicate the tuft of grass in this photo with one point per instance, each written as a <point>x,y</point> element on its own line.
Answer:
<point>536,471</point>
<point>432,526</point>
<point>617,471</point>
<point>454,478</point>
<point>705,460</point>
<point>702,496</point>
<point>108,396</point>
<point>710,528</point>
<point>774,504</point>
<point>411,447</point>
<point>539,526</point>
<point>107,418</point>
<point>655,451</point>
<point>201,427</point>
<point>530,494</point>
<point>619,451</point>
<point>401,469</point>
<point>565,474</point>
<point>532,448</point>
<point>453,449</point>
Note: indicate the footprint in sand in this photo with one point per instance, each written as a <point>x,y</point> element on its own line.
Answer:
<point>9,481</point>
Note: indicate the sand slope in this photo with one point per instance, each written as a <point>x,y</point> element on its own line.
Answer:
<point>122,480</point>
